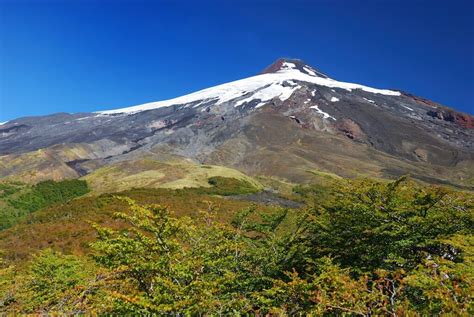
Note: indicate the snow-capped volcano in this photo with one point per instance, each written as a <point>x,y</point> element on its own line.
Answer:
<point>280,80</point>
<point>286,121</point>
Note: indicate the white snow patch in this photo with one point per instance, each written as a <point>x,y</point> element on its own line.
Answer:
<point>313,93</point>
<point>325,115</point>
<point>198,104</point>
<point>264,87</point>
<point>407,108</point>
<point>334,99</point>
<point>84,118</point>
<point>268,93</point>
<point>287,65</point>
<point>2,123</point>
<point>261,104</point>
<point>371,101</point>
<point>309,71</point>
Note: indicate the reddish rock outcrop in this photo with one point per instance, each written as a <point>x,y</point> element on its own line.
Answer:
<point>273,68</point>
<point>352,130</point>
<point>461,119</point>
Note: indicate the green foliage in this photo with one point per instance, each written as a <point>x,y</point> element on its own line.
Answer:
<point>440,286</point>
<point>313,193</point>
<point>279,272</point>
<point>8,214</point>
<point>169,265</point>
<point>49,192</point>
<point>331,291</point>
<point>66,227</point>
<point>8,189</point>
<point>7,285</point>
<point>41,195</point>
<point>368,248</point>
<point>226,186</point>
<point>51,282</point>
<point>53,279</point>
<point>368,225</point>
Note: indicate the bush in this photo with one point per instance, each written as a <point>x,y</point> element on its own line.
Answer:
<point>41,195</point>
<point>48,192</point>
<point>52,282</point>
<point>226,186</point>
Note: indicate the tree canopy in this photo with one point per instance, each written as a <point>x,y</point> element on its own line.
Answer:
<point>369,248</point>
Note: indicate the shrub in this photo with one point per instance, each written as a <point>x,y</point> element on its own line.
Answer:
<point>37,197</point>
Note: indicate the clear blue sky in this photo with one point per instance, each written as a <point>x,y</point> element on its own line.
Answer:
<point>78,56</point>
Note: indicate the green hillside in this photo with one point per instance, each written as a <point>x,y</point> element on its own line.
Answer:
<point>354,248</point>
<point>17,200</point>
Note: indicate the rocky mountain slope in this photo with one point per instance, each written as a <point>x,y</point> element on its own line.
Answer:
<point>291,121</point>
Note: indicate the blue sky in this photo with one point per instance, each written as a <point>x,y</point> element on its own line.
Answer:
<point>79,56</point>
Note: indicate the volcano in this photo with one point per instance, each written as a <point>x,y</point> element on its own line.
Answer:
<point>291,121</point>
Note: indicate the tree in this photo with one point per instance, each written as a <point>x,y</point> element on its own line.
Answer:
<point>53,282</point>
<point>439,286</point>
<point>368,225</point>
<point>168,265</point>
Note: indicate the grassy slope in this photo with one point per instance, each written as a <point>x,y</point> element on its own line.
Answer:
<point>147,173</point>
<point>49,163</point>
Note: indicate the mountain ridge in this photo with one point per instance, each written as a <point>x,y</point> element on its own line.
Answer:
<point>323,122</point>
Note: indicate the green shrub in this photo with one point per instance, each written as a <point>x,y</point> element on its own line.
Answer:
<point>367,225</point>
<point>8,189</point>
<point>226,186</point>
<point>38,196</point>
<point>49,192</point>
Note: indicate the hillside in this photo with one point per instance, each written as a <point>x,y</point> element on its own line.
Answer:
<point>283,122</point>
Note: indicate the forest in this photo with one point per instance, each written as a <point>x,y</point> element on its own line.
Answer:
<point>354,247</point>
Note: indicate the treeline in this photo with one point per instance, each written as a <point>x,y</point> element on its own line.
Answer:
<point>20,201</point>
<point>369,248</point>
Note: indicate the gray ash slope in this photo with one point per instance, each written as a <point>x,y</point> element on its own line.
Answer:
<point>289,120</point>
